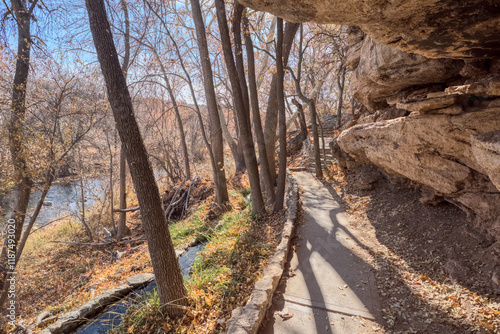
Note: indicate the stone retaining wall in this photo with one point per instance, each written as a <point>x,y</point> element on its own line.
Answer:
<point>247,319</point>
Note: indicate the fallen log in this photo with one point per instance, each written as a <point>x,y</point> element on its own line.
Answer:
<point>135,208</point>
<point>98,243</point>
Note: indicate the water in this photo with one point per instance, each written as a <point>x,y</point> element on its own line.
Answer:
<point>62,200</point>
<point>112,316</point>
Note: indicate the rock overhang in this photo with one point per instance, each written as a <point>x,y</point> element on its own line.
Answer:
<point>432,28</point>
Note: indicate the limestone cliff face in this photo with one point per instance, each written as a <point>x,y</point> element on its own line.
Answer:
<point>428,73</point>
<point>433,28</point>
<point>381,72</point>
<point>433,121</point>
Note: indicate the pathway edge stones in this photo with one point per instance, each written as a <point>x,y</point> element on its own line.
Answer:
<point>247,319</point>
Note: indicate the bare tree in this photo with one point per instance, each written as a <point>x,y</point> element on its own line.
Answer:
<point>257,122</point>
<point>168,275</point>
<point>258,206</point>
<point>312,107</point>
<point>272,103</point>
<point>280,191</point>
<point>22,13</point>
<point>208,83</point>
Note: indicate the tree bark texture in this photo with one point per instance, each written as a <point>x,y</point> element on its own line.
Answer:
<point>238,55</point>
<point>280,190</point>
<point>167,271</point>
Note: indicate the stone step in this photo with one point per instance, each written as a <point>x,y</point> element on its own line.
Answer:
<point>329,157</point>
<point>298,169</point>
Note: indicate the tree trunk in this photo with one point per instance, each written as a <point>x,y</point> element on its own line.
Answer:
<point>238,56</point>
<point>257,122</point>
<point>272,103</point>
<point>258,206</point>
<point>314,126</point>
<point>122,216</point>
<point>111,185</point>
<point>215,126</point>
<point>82,195</point>
<point>16,137</point>
<point>340,82</point>
<point>302,117</point>
<point>185,152</point>
<point>239,161</point>
<point>280,190</point>
<point>320,123</point>
<point>167,271</point>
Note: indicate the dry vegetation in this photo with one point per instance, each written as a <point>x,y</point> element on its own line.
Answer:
<point>61,277</point>
<point>222,279</point>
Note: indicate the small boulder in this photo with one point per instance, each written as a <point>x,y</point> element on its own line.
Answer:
<point>495,279</point>
<point>140,279</point>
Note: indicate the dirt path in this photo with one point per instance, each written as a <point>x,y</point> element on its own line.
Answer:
<point>331,285</point>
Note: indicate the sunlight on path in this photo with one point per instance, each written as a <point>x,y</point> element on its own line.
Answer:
<point>331,289</point>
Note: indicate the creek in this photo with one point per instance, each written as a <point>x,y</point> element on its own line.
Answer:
<point>112,316</point>
<point>62,200</point>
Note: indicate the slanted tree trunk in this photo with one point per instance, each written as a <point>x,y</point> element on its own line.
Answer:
<point>215,126</point>
<point>167,271</point>
<point>22,177</point>
<point>280,190</point>
<point>272,102</point>
<point>238,56</point>
<point>265,171</point>
<point>234,146</point>
<point>258,206</point>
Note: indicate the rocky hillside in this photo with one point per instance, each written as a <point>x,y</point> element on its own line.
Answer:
<point>428,73</point>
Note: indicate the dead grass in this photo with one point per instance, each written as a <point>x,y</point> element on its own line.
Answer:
<point>222,278</point>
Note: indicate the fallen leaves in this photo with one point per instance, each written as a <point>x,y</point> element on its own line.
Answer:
<point>284,314</point>
<point>418,295</point>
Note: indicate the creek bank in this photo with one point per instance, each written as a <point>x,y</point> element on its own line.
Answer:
<point>115,302</point>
